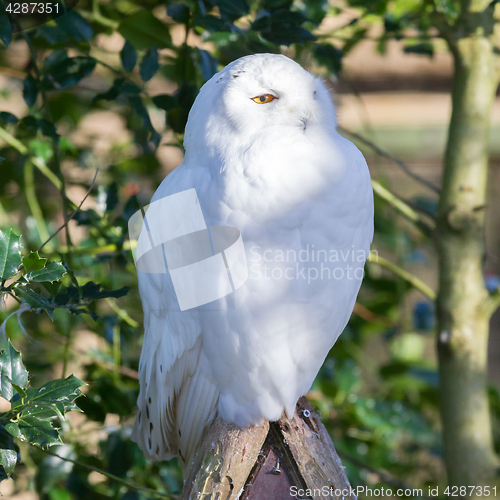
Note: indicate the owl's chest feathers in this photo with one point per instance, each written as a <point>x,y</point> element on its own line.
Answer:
<point>277,173</point>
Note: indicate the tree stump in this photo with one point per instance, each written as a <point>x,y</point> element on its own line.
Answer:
<point>291,458</point>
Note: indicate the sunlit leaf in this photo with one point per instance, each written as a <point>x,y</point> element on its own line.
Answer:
<point>35,431</point>
<point>53,271</point>
<point>12,370</point>
<point>10,254</point>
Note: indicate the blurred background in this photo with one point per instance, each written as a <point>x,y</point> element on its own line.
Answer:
<point>121,113</point>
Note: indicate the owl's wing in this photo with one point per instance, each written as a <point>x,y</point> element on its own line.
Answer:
<point>177,396</point>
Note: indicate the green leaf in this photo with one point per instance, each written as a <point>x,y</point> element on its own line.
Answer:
<point>232,9</point>
<point>19,390</point>
<point>120,87</point>
<point>35,300</point>
<point>68,72</point>
<point>75,26</point>
<point>329,56</point>
<point>12,371</point>
<point>8,453</point>
<point>93,291</point>
<point>283,27</point>
<point>111,197</point>
<point>35,431</point>
<point>5,26</point>
<point>179,12</point>
<point>34,262</point>
<point>424,49</point>
<point>149,64</point>
<point>42,149</point>
<point>213,23</point>
<point>209,65</point>
<point>59,494</point>
<point>276,4</point>
<point>7,118</point>
<point>54,271</point>
<point>143,30</point>
<point>64,390</point>
<point>10,254</point>
<point>165,101</point>
<point>30,90</point>
<point>128,56</point>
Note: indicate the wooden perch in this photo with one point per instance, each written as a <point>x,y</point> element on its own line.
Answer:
<point>273,461</point>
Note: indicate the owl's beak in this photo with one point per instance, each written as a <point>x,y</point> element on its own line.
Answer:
<point>304,122</point>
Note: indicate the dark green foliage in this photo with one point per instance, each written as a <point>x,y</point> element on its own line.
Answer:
<point>381,411</point>
<point>128,57</point>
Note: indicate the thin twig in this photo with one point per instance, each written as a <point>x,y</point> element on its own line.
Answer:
<point>395,159</point>
<point>129,484</point>
<point>75,211</point>
<point>12,141</point>
<point>410,278</point>
<point>402,207</point>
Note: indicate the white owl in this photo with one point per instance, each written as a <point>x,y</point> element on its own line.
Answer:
<point>264,156</point>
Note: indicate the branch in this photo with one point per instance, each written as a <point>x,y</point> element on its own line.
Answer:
<point>21,148</point>
<point>410,278</point>
<point>12,141</point>
<point>402,207</point>
<point>129,484</point>
<point>74,213</point>
<point>395,159</point>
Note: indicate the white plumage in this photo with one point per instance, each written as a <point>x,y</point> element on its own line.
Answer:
<point>280,173</point>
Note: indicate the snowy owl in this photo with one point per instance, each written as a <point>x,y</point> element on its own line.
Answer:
<point>262,155</point>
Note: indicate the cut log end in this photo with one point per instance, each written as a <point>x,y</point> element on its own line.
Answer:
<point>291,458</point>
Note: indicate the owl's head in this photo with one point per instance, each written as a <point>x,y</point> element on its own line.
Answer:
<point>254,94</point>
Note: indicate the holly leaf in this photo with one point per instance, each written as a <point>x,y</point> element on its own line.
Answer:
<point>63,390</point>
<point>35,300</point>
<point>54,271</point>
<point>8,454</point>
<point>68,72</point>
<point>93,291</point>
<point>35,431</point>
<point>10,254</point>
<point>12,371</point>
<point>33,262</point>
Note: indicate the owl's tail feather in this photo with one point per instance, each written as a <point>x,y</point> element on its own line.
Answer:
<point>196,409</point>
<point>175,407</point>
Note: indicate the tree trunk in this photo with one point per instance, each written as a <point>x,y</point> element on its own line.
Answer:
<point>291,458</point>
<point>463,304</point>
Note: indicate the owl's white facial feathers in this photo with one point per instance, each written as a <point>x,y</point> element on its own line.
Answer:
<point>302,103</point>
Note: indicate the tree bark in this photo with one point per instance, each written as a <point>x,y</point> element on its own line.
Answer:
<point>291,458</point>
<point>463,304</point>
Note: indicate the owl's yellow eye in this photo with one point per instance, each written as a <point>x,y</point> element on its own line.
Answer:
<point>264,99</point>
